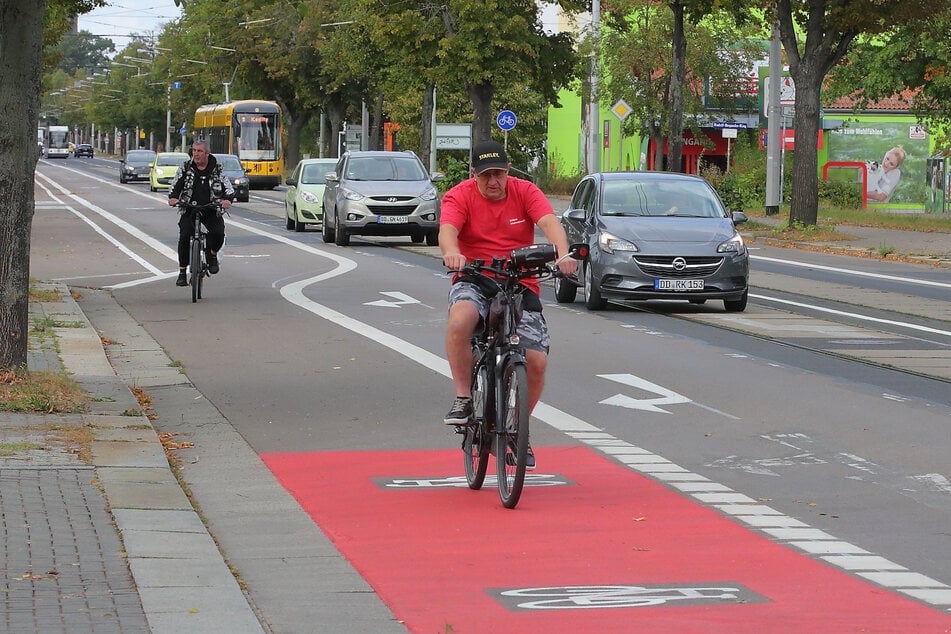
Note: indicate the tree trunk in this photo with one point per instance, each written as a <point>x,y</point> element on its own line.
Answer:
<point>295,127</point>
<point>481,97</point>
<point>21,45</point>
<point>678,78</point>
<point>804,202</point>
<point>426,125</point>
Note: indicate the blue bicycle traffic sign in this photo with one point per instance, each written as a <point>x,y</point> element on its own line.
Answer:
<point>506,120</point>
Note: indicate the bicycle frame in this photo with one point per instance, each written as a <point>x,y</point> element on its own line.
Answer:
<point>500,397</point>
<point>197,266</point>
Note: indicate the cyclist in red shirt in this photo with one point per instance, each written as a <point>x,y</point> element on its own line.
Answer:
<point>483,217</point>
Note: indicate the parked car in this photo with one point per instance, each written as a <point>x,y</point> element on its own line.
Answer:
<point>232,168</point>
<point>83,149</point>
<point>381,194</point>
<point>136,165</point>
<point>163,169</point>
<point>303,202</point>
<point>654,235</point>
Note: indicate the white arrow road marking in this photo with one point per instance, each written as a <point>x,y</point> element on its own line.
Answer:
<point>402,299</point>
<point>649,404</point>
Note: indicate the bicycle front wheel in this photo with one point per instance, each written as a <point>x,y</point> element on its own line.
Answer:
<point>511,450</point>
<point>478,440</point>
<point>195,266</point>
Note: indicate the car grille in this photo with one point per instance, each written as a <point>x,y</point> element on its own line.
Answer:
<point>663,266</point>
<point>391,210</point>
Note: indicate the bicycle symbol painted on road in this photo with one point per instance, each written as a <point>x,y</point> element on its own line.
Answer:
<point>588,597</point>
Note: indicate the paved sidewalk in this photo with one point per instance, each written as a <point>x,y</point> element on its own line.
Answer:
<point>104,542</point>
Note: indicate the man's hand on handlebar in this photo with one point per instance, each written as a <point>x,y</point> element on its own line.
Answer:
<point>567,264</point>
<point>454,261</point>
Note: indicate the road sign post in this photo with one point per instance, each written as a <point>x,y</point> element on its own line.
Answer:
<point>621,110</point>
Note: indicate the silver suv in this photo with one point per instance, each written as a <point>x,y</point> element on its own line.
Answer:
<point>381,194</point>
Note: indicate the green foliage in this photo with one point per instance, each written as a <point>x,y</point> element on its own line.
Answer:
<point>456,171</point>
<point>840,193</point>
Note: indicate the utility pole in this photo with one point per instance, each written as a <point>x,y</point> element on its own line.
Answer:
<point>592,138</point>
<point>774,187</point>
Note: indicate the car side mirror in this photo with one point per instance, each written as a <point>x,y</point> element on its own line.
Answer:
<point>575,214</point>
<point>332,178</point>
<point>738,217</point>
<point>436,177</point>
<point>290,182</point>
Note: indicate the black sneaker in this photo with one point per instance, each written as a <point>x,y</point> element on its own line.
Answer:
<point>529,458</point>
<point>460,412</point>
<point>212,262</point>
<point>182,279</point>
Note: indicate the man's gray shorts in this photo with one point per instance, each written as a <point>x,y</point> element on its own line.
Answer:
<point>532,330</point>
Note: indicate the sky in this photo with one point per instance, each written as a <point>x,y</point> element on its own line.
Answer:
<point>121,18</point>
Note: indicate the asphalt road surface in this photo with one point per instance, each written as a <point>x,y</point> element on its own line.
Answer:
<point>782,469</point>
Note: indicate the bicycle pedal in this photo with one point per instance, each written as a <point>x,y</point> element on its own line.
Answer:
<point>459,429</point>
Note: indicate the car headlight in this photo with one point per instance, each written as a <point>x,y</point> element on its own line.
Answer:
<point>309,197</point>
<point>429,194</point>
<point>240,180</point>
<point>349,194</point>
<point>128,169</point>
<point>610,243</point>
<point>733,245</point>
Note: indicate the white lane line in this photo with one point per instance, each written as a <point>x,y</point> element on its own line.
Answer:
<point>779,527</point>
<point>132,230</point>
<point>841,313</point>
<point>835,269</point>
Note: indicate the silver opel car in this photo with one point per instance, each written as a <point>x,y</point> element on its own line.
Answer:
<point>654,235</point>
<point>381,194</point>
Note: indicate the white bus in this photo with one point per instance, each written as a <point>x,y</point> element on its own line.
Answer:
<point>58,142</point>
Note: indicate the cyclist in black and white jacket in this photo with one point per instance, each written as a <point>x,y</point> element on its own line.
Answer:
<point>198,182</point>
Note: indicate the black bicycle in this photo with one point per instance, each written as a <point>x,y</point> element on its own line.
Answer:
<point>499,423</point>
<point>197,264</point>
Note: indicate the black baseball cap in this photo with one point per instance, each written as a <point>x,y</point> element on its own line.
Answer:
<point>489,155</point>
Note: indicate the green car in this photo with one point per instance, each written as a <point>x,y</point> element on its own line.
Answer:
<point>305,191</point>
<point>163,169</point>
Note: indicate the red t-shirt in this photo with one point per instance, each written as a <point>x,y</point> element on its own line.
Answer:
<point>493,228</point>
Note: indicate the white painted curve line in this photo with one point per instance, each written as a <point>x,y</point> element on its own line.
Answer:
<point>842,313</point>
<point>767,520</point>
<point>155,244</point>
<point>834,269</point>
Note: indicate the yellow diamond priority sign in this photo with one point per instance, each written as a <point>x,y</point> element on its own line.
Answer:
<point>621,109</point>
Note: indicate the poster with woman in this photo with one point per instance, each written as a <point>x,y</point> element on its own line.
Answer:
<point>894,154</point>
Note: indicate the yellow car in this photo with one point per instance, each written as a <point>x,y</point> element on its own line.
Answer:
<point>163,169</point>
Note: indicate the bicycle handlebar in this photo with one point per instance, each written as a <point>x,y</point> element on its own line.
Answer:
<point>537,260</point>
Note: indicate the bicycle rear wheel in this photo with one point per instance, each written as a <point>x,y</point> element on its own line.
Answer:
<point>197,269</point>
<point>511,450</point>
<point>478,440</point>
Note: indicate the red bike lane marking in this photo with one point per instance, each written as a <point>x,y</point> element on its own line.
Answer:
<point>613,550</point>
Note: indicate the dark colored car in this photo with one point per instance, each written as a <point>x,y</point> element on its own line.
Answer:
<point>373,193</point>
<point>83,149</point>
<point>232,168</point>
<point>654,235</point>
<point>136,166</point>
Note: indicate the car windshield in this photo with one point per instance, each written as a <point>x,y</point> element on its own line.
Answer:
<point>171,160</point>
<point>680,198</point>
<point>229,163</point>
<point>378,168</point>
<point>138,156</point>
<point>315,173</point>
